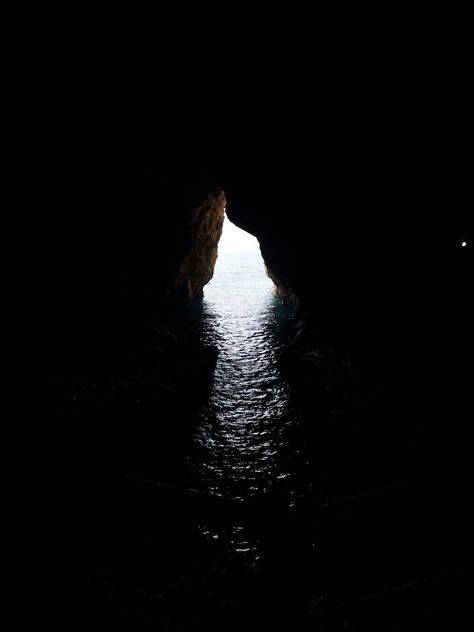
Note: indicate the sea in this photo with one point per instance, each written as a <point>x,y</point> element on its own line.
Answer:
<point>241,431</point>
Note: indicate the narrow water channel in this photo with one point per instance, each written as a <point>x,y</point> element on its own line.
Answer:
<point>242,426</point>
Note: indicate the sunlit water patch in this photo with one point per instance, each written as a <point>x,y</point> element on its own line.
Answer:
<point>243,424</point>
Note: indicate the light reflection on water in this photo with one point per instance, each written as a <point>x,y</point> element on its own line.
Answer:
<point>242,426</point>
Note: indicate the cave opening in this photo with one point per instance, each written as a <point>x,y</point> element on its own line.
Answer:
<point>234,239</point>
<point>239,270</point>
<point>241,424</point>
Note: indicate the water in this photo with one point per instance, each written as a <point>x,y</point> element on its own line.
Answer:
<point>242,427</point>
<point>260,438</point>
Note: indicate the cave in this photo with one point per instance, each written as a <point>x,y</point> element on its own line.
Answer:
<point>318,477</point>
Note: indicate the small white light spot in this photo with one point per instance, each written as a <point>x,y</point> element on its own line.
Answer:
<point>464,244</point>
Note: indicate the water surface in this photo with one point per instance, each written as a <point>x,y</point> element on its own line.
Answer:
<point>242,426</point>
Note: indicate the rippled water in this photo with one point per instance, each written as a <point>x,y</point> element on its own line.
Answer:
<point>243,424</point>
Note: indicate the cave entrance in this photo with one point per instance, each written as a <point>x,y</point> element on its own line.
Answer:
<point>234,239</point>
<point>248,406</point>
<point>240,281</point>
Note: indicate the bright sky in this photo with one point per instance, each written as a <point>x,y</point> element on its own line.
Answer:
<point>236,240</point>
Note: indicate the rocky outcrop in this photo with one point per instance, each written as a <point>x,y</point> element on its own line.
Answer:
<point>277,270</point>
<point>203,229</point>
<point>113,256</point>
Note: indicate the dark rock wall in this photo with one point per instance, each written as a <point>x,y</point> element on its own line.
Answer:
<point>203,228</point>
<point>345,150</point>
<point>367,261</point>
<point>343,142</point>
<point>113,249</point>
<point>367,258</point>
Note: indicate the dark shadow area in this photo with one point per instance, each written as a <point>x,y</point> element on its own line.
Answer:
<point>342,140</point>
